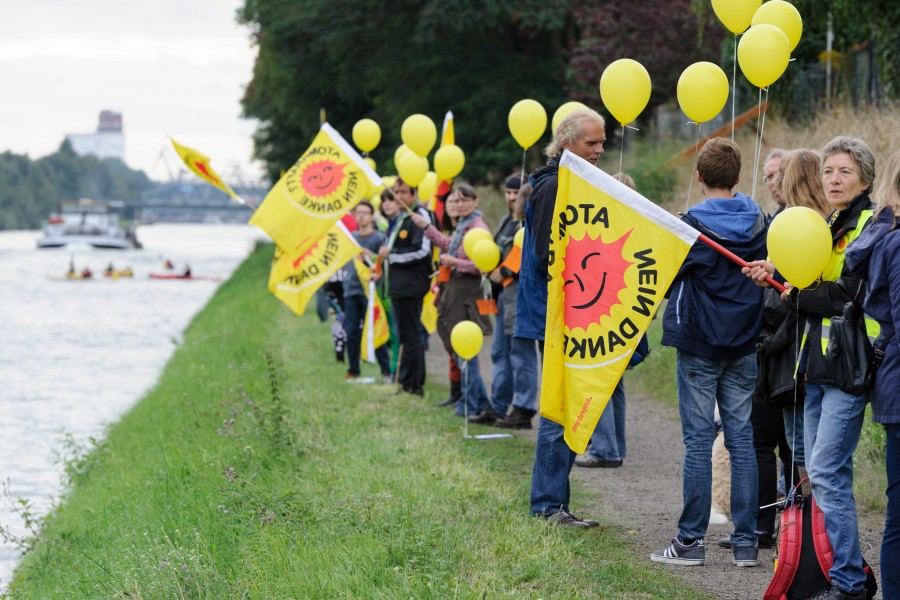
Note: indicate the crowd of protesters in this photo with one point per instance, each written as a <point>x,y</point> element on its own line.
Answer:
<point>754,355</point>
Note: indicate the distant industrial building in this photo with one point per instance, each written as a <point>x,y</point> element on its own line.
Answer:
<point>107,142</point>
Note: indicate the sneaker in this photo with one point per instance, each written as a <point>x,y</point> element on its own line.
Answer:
<point>566,518</point>
<point>765,541</point>
<point>835,593</point>
<point>745,556</point>
<point>592,462</point>
<point>679,554</point>
<point>520,418</point>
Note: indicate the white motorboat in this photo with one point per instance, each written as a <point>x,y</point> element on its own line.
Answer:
<point>90,222</point>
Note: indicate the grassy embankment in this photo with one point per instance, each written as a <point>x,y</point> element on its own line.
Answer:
<point>252,471</point>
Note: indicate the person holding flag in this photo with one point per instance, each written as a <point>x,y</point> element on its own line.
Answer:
<point>583,133</point>
<point>713,319</point>
<point>355,301</point>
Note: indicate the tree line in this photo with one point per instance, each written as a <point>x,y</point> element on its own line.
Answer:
<point>387,60</point>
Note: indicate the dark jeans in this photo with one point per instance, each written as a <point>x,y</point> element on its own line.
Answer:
<point>407,314</point>
<point>354,315</point>
<point>768,434</point>
<point>890,544</point>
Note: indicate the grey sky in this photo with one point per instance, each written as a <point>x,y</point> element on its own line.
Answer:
<point>170,67</point>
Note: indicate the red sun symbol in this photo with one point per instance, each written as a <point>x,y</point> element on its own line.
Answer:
<point>592,279</point>
<point>322,177</point>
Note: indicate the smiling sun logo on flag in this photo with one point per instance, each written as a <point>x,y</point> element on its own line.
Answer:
<point>592,279</point>
<point>322,178</point>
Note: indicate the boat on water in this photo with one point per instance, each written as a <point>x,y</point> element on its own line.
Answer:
<point>91,222</point>
<point>183,277</point>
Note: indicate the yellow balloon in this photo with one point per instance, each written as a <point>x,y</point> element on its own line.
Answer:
<point>449,162</point>
<point>486,255</point>
<point>735,14</point>
<point>702,91</point>
<point>419,134</point>
<point>401,151</point>
<point>782,15</point>
<point>519,238</point>
<point>563,111</point>
<point>625,89</point>
<point>428,186</point>
<point>763,54</point>
<point>472,237</point>
<point>799,245</point>
<point>412,168</point>
<point>366,134</point>
<point>388,180</point>
<point>466,339</point>
<point>370,162</point>
<point>376,202</point>
<point>527,122</point>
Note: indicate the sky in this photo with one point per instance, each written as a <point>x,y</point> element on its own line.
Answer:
<point>171,67</point>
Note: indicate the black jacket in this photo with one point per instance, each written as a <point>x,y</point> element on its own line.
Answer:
<point>409,264</point>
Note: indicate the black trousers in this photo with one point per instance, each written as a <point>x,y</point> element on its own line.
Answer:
<point>768,434</point>
<point>407,313</point>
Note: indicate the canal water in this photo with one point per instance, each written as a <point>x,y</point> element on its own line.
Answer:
<point>75,355</point>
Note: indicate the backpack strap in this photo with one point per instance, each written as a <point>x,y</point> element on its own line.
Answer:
<point>824,551</point>
<point>790,540</point>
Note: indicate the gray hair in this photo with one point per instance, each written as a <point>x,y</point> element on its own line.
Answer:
<point>775,153</point>
<point>570,128</point>
<point>858,151</point>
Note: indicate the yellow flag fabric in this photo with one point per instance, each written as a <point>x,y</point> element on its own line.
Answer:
<point>198,163</point>
<point>429,312</point>
<point>613,255</point>
<point>295,281</point>
<point>375,326</point>
<point>327,181</point>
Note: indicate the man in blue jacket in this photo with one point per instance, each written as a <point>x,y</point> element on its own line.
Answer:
<point>713,318</point>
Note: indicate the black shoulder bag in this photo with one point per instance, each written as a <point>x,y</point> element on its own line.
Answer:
<point>850,356</point>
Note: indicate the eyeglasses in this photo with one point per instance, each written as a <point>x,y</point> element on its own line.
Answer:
<point>466,199</point>
<point>768,178</point>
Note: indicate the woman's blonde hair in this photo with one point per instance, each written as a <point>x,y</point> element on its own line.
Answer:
<point>801,181</point>
<point>887,196</point>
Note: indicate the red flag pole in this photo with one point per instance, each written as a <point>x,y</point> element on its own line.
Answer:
<point>736,259</point>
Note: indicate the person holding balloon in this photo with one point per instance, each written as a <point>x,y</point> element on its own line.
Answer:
<point>876,255</point>
<point>514,379</point>
<point>448,221</point>
<point>407,261</point>
<point>458,299</point>
<point>833,418</point>
<point>583,133</point>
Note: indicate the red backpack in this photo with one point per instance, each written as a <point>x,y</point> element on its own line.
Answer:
<point>804,552</point>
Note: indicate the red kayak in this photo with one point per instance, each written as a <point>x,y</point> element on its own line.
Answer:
<point>184,277</point>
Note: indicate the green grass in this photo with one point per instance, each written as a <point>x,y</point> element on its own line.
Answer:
<point>252,471</point>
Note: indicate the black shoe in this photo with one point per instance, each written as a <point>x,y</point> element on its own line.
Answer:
<point>451,401</point>
<point>567,519</point>
<point>485,417</point>
<point>835,593</point>
<point>592,462</point>
<point>520,418</point>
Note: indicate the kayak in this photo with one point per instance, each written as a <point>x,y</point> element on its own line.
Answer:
<point>185,277</point>
<point>119,273</point>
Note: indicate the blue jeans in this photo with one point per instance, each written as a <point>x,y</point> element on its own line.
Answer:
<point>703,382</point>
<point>890,544</point>
<point>608,439</point>
<point>795,434</point>
<point>474,395</point>
<point>354,314</point>
<point>833,421</point>
<point>515,375</point>
<point>553,460</point>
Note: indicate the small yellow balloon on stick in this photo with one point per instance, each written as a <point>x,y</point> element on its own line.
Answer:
<point>466,338</point>
<point>799,245</point>
<point>472,237</point>
<point>419,134</point>
<point>527,122</point>
<point>486,255</point>
<point>401,151</point>
<point>625,89</point>
<point>449,162</point>
<point>562,112</point>
<point>702,91</point>
<point>412,168</point>
<point>782,15</point>
<point>735,15</point>
<point>763,54</point>
<point>366,134</point>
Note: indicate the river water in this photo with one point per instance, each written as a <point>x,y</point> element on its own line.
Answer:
<point>75,355</point>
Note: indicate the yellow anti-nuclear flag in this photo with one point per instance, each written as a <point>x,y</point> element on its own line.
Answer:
<point>376,332</point>
<point>295,281</point>
<point>613,255</point>
<point>327,181</point>
<point>198,163</point>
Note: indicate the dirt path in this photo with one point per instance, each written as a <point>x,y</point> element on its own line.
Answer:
<point>643,497</point>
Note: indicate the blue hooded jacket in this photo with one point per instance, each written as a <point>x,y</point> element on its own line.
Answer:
<point>875,254</point>
<point>714,311</point>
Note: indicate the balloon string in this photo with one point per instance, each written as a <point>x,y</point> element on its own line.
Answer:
<point>522,172</point>
<point>622,149</point>
<point>758,151</point>
<point>733,86</point>
<point>687,200</point>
